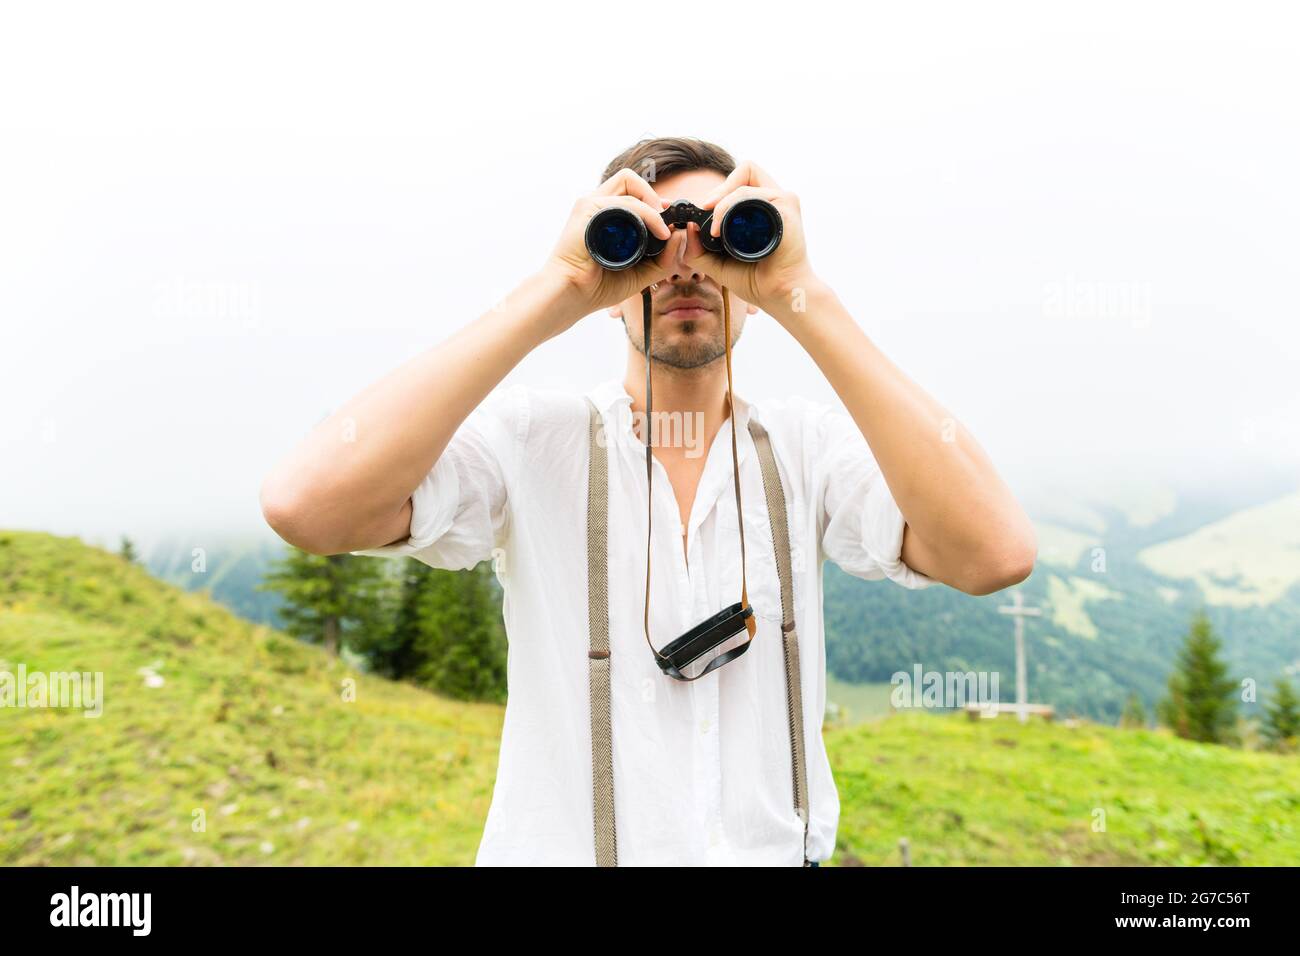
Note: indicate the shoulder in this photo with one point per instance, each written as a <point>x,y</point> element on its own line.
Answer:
<point>790,407</point>
<point>818,435</point>
<point>537,415</point>
<point>550,407</point>
<point>792,418</point>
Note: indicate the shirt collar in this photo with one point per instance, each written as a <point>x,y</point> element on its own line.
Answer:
<point>614,403</point>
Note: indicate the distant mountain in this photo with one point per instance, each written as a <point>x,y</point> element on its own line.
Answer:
<point>229,569</point>
<point>1117,596</point>
<point>1248,559</point>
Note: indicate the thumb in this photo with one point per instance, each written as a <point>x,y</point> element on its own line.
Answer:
<point>698,259</point>
<point>664,264</point>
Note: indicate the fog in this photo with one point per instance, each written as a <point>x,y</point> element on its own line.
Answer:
<point>1077,230</point>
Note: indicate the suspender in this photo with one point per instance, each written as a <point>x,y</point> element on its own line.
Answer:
<point>602,739</point>
<point>598,657</point>
<point>789,636</point>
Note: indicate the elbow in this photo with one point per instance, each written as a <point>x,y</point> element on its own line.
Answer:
<point>289,512</point>
<point>1005,566</point>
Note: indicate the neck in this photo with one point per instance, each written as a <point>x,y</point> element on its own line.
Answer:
<point>682,392</point>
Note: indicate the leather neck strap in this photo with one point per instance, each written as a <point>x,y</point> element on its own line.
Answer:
<point>751,624</point>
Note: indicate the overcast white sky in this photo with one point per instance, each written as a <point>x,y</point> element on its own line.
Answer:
<point>1077,229</point>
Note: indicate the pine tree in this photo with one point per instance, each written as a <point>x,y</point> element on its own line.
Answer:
<point>445,634</point>
<point>459,644</point>
<point>1135,715</point>
<point>1202,697</point>
<point>334,600</point>
<point>392,651</point>
<point>127,550</point>
<point>1282,716</point>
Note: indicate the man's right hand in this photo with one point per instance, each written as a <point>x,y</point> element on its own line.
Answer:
<point>593,287</point>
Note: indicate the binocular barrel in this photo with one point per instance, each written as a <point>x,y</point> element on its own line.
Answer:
<point>617,238</point>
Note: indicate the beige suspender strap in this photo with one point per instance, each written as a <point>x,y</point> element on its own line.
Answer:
<point>777,518</point>
<point>602,737</point>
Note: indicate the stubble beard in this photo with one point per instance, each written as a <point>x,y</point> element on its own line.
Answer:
<point>692,353</point>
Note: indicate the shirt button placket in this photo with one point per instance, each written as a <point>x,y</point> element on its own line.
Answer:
<point>714,743</point>
<point>709,777</point>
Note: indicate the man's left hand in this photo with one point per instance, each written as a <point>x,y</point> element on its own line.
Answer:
<point>770,283</point>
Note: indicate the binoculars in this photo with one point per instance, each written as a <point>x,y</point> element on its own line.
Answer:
<point>618,239</point>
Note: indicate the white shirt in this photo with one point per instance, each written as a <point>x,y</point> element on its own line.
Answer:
<point>702,771</point>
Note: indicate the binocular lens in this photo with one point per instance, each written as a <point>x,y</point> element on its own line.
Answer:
<point>616,238</point>
<point>750,230</point>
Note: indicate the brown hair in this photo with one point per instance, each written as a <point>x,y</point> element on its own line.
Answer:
<point>663,156</point>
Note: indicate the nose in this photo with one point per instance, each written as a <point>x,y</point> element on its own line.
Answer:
<point>692,278</point>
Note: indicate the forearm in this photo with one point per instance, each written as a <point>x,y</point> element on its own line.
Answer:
<point>965,527</point>
<point>347,485</point>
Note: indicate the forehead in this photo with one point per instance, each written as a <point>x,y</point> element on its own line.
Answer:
<point>693,186</point>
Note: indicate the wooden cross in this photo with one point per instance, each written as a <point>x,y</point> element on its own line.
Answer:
<point>1019,611</point>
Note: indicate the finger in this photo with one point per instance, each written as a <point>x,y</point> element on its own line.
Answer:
<point>626,182</point>
<point>662,265</point>
<point>745,174</point>
<point>652,217</point>
<point>694,247</point>
<point>698,259</point>
<point>744,192</point>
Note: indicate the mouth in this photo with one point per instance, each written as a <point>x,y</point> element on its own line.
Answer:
<point>687,309</point>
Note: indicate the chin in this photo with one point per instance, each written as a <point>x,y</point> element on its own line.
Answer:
<point>695,356</point>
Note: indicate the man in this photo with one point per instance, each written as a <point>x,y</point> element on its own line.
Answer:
<point>445,467</point>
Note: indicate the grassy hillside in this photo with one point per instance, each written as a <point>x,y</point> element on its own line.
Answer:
<point>248,726</point>
<point>206,712</point>
<point>994,792</point>
<point>848,704</point>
